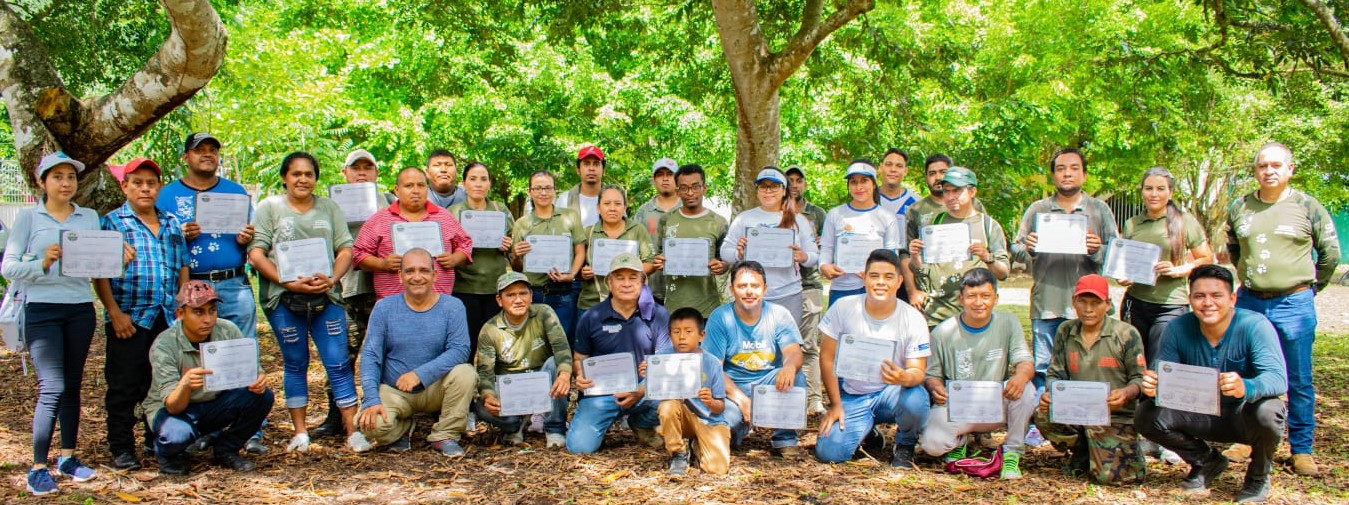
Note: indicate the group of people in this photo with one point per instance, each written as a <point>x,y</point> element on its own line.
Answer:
<point>435,332</point>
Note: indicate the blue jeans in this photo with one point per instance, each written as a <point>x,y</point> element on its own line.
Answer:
<point>238,412</point>
<point>838,294</point>
<point>237,305</point>
<point>906,407</point>
<point>554,422</point>
<point>328,329</point>
<point>1294,318</point>
<point>58,336</point>
<point>565,308</point>
<point>740,426</point>
<point>1042,336</point>
<point>594,415</point>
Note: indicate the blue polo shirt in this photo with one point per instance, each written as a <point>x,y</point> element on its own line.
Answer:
<point>712,378</point>
<point>602,331</point>
<point>1250,347</point>
<point>749,353</point>
<point>207,252</point>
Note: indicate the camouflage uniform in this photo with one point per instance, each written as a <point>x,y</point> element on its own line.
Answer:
<point>1113,452</point>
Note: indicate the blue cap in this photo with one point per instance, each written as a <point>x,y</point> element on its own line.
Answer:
<point>55,159</point>
<point>771,174</point>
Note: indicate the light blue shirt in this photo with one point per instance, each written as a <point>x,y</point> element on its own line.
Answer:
<point>34,230</point>
<point>749,353</point>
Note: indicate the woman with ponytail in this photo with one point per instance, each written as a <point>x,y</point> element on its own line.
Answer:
<point>776,210</point>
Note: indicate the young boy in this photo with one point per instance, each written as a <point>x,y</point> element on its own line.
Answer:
<point>697,418</point>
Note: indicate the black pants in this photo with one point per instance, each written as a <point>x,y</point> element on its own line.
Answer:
<point>1258,424</point>
<point>128,373</point>
<point>480,308</point>
<point>1150,319</point>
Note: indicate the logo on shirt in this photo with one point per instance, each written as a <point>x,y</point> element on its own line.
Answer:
<point>1285,229</point>
<point>923,346</point>
<point>613,328</point>
<point>1108,362</point>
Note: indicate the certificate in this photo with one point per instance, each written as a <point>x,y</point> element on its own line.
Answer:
<point>303,258</point>
<point>485,227</point>
<point>778,409</point>
<point>674,376</point>
<point>547,252</point>
<point>945,243</point>
<point>233,363</point>
<point>423,234</point>
<point>850,254</point>
<point>603,250</point>
<point>1079,403</point>
<point>611,373</point>
<point>358,201</point>
<point>771,247</point>
<point>975,402</point>
<point>1131,260</point>
<point>1060,233</point>
<point>859,358</point>
<point>93,254</point>
<point>221,213</point>
<point>524,393</point>
<point>1187,387</point>
<point>687,256</point>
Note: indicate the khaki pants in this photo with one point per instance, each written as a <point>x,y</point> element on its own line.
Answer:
<point>450,396</point>
<point>812,305</point>
<point>712,442</point>
<point>941,435</point>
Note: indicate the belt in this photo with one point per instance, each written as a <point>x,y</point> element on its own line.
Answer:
<point>1265,295</point>
<point>217,275</point>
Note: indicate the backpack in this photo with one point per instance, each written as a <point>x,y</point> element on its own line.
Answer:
<point>12,312</point>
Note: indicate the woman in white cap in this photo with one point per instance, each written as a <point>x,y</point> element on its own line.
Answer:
<point>776,210</point>
<point>852,230</point>
<point>58,318</point>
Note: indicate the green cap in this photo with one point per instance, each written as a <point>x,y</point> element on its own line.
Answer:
<point>625,261</point>
<point>509,278</point>
<point>960,177</point>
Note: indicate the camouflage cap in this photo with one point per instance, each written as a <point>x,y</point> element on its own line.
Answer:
<point>508,278</point>
<point>195,293</point>
<point>627,261</point>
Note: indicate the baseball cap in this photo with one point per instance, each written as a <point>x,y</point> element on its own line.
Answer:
<point>1092,284</point>
<point>770,174</point>
<point>120,172</point>
<point>960,177</point>
<point>360,154</point>
<point>195,139</point>
<point>625,261</point>
<point>589,151</point>
<point>57,158</point>
<point>861,168</point>
<point>195,293</point>
<point>796,169</point>
<point>664,163</point>
<point>505,280</point>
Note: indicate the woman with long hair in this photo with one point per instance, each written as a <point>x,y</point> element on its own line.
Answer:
<point>776,210</point>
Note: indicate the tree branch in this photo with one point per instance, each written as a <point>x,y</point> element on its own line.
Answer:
<point>25,71</point>
<point>1332,25</point>
<point>812,32</point>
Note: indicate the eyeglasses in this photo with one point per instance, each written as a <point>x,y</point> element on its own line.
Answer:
<point>690,189</point>
<point>544,189</point>
<point>770,188</point>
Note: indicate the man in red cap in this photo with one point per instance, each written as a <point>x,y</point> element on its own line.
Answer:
<point>585,197</point>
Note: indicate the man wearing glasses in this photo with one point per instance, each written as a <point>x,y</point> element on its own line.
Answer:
<point>692,221</point>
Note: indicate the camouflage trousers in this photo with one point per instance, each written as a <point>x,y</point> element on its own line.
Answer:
<point>1114,452</point>
<point>359,308</point>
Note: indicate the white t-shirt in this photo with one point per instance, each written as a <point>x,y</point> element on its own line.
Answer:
<point>906,325</point>
<point>589,209</point>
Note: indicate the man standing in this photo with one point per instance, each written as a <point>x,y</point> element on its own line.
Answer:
<point>919,214</point>
<point>443,176</point>
<point>374,250</point>
<point>938,290</point>
<point>585,197</point>
<point>139,305</point>
<point>812,293</point>
<point>894,196</point>
<point>692,221</point>
<point>650,213</point>
<point>1271,235</point>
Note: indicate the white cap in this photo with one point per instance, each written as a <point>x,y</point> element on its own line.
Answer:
<point>360,154</point>
<point>665,163</point>
<point>57,158</point>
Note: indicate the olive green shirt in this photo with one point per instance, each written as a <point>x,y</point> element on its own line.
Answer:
<point>171,354</point>
<point>276,222</point>
<point>503,350</point>
<point>649,215</point>
<point>941,281</point>
<point>692,291</point>
<point>594,291</point>
<point>1056,275</point>
<point>1116,358</point>
<point>987,355</point>
<point>1169,290</point>
<point>1272,243</point>
<point>479,277</point>
<point>810,276</point>
<point>562,222</point>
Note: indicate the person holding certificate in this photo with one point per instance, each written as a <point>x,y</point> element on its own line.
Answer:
<point>523,337</point>
<point>619,234</point>
<point>308,305</point>
<point>179,406</point>
<point>58,317</point>
<point>979,344</point>
<point>889,333</point>
<point>475,282</point>
<point>686,227</point>
<point>852,230</point>
<point>699,419</point>
<point>140,304</point>
<point>1099,348</point>
<point>557,287</point>
<point>1251,378</point>
<point>617,325</point>
<point>758,343</point>
<point>374,249</point>
<point>938,290</point>
<point>416,360</point>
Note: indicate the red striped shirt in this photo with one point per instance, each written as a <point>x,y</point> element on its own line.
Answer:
<point>376,240</point>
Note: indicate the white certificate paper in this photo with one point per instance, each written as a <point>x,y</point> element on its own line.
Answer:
<point>611,373</point>
<point>1187,387</point>
<point>221,213</point>
<point>1060,233</point>
<point>850,253</point>
<point>524,393</point>
<point>233,363</point>
<point>771,247</point>
<point>423,234</point>
<point>358,201</point>
<point>548,252</point>
<point>303,258</point>
<point>946,243</point>
<point>93,254</point>
<point>860,358</point>
<point>1131,260</point>
<point>687,256</point>
<point>603,251</point>
<point>485,227</point>
<point>975,402</point>
<point>1079,403</point>
<point>779,409</point>
<point>674,376</point>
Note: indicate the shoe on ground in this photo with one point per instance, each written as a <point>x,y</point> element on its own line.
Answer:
<point>1253,491</point>
<point>1170,457</point>
<point>649,437</point>
<point>126,461</point>
<point>1011,465</point>
<point>816,408</point>
<point>556,441</point>
<point>960,452</point>
<point>791,452</point>
<point>332,426</point>
<point>71,467</point>
<point>536,423</point>
<point>1034,438</point>
<point>255,446</point>
<point>874,443</point>
<point>403,444</point>
<point>1305,464</point>
<point>679,463</point>
<point>1238,452</point>
<point>300,442</point>
<point>40,482</point>
<point>448,448</point>
<point>172,466</point>
<point>234,461</point>
<point>903,457</point>
<point>202,443</point>
<point>356,441</point>
<point>1203,474</point>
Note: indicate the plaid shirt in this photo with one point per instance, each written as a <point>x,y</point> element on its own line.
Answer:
<point>376,240</point>
<point>152,279</point>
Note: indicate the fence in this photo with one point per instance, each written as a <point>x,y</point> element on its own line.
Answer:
<point>14,195</point>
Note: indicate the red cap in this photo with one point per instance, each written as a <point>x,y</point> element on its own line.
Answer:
<point>119,171</point>
<point>589,151</point>
<point>1095,285</point>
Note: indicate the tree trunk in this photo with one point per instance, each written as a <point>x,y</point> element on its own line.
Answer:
<point>758,134</point>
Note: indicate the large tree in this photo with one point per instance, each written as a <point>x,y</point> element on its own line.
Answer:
<point>45,116</point>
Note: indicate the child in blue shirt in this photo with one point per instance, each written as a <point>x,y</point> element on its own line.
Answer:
<point>698,418</point>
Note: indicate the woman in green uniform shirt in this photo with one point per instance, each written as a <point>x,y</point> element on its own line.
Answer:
<point>475,283</point>
<point>613,207</point>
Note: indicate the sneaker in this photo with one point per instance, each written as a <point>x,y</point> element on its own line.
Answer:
<point>1170,457</point>
<point>448,448</point>
<point>518,437</point>
<point>234,461</point>
<point>649,437</point>
<point>471,425</point>
<point>1253,491</point>
<point>40,482</point>
<point>679,463</point>
<point>556,441</point>
<point>1304,464</point>
<point>202,443</point>
<point>255,446</point>
<point>300,442</point>
<point>1034,438</point>
<point>71,467</point>
<point>536,423</point>
<point>1203,474</point>
<point>816,408</point>
<point>172,466</point>
<point>874,443</point>
<point>961,452</point>
<point>356,441</point>
<point>1011,465</point>
<point>403,444</point>
<point>125,461</point>
<point>791,452</point>
<point>903,457</point>
<point>332,425</point>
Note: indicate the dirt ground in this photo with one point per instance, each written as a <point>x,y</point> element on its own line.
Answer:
<point>623,473</point>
